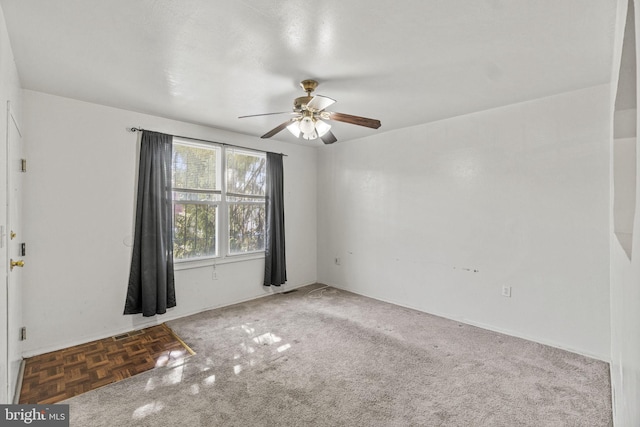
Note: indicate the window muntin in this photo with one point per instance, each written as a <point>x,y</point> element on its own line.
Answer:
<point>218,195</point>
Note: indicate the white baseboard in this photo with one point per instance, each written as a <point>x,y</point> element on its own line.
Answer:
<point>18,391</point>
<point>492,328</point>
<point>155,320</point>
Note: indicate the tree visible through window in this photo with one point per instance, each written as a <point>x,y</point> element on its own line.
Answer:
<point>216,187</point>
<point>246,179</point>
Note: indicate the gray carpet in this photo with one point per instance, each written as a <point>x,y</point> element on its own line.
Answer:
<point>324,357</point>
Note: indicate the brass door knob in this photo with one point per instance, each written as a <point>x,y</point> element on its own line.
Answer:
<point>16,264</point>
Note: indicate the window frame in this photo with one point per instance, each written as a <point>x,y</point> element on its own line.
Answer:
<point>222,231</point>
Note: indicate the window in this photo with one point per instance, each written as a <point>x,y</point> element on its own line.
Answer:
<point>196,200</point>
<point>218,196</point>
<point>245,186</point>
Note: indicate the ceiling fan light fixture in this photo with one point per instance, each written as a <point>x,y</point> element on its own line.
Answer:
<point>307,125</point>
<point>322,127</point>
<point>294,128</point>
<point>310,135</point>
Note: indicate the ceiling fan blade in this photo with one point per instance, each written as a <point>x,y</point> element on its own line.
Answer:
<point>265,114</point>
<point>328,138</point>
<point>355,120</point>
<point>319,103</point>
<point>276,129</point>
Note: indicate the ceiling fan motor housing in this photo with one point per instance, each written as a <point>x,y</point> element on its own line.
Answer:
<point>300,104</point>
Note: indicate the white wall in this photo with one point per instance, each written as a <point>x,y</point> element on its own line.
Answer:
<point>625,263</point>
<point>79,207</point>
<point>518,193</point>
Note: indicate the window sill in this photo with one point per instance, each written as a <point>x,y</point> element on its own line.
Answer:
<point>208,262</point>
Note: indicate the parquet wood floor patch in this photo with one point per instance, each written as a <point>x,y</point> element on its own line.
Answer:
<point>53,377</point>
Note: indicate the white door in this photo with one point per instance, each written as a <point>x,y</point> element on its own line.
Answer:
<point>4,269</point>
<point>15,250</point>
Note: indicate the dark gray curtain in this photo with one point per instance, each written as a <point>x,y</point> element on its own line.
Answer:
<point>151,286</point>
<point>275,265</point>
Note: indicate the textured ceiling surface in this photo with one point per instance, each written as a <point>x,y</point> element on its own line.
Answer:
<point>404,63</point>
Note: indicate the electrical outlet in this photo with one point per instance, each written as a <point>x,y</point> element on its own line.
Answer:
<point>338,261</point>
<point>506,291</point>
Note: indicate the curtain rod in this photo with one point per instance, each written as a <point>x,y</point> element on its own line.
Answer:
<point>134,129</point>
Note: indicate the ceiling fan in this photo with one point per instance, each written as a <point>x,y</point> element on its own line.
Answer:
<point>309,115</point>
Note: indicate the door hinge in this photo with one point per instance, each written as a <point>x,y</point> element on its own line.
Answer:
<point>23,333</point>
<point>23,165</point>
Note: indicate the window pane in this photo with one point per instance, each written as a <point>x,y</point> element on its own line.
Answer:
<point>246,227</point>
<point>194,167</point>
<point>194,232</point>
<point>246,173</point>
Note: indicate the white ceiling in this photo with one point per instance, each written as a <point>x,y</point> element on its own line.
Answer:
<point>404,63</point>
